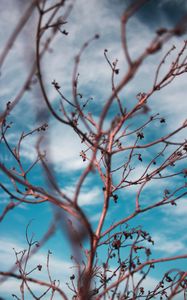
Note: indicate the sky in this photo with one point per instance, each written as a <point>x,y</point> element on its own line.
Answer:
<point>166,225</point>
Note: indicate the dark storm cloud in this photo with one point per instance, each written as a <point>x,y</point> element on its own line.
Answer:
<point>155,12</point>
<point>162,11</point>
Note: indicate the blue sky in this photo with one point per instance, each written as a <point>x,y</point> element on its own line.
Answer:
<point>167,225</point>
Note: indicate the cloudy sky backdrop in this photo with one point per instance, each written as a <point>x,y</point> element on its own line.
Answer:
<point>166,225</point>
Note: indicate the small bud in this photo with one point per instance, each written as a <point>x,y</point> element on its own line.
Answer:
<point>162,120</point>
<point>39,267</point>
<point>72,277</point>
<point>65,32</point>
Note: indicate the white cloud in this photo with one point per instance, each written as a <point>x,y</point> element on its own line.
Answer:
<point>65,148</point>
<point>60,269</point>
<point>88,195</point>
<point>149,283</point>
<point>8,258</point>
<point>168,245</point>
<point>179,211</point>
<point>12,286</point>
<point>93,68</point>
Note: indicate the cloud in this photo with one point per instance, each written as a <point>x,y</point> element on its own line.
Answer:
<point>168,245</point>
<point>95,80</point>
<point>93,68</point>
<point>59,268</point>
<point>65,147</point>
<point>88,196</point>
<point>180,210</point>
<point>175,216</point>
<point>149,283</point>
